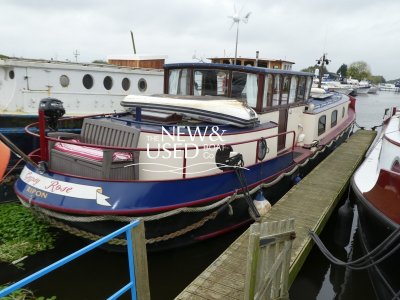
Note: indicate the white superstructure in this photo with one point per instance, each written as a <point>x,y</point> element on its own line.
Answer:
<point>83,87</point>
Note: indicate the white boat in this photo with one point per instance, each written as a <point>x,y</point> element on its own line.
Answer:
<point>86,88</point>
<point>373,89</point>
<point>390,87</point>
<point>376,185</point>
<point>336,86</point>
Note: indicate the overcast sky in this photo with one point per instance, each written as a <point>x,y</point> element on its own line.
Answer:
<point>295,30</point>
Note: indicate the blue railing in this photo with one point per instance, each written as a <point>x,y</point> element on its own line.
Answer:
<point>130,286</point>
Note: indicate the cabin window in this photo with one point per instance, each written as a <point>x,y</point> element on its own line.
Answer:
<point>126,84</point>
<point>334,118</point>
<point>245,87</point>
<point>64,80</point>
<point>142,85</point>
<point>267,91</point>
<point>11,74</point>
<point>321,125</point>
<point>276,91</point>
<point>293,89</point>
<point>179,82</point>
<point>343,112</point>
<point>108,82</point>
<point>87,81</point>
<point>210,83</point>
<point>285,90</point>
<point>308,87</point>
<point>301,89</point>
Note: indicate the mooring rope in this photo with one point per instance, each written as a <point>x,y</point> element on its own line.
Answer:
<point>377,255</point>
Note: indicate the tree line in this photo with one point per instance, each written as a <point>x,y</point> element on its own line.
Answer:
<point>357,70</point>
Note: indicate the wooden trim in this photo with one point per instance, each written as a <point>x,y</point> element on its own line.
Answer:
<point>260,94</point>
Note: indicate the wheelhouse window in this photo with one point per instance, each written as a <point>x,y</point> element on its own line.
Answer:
<point>285,90</point>
<point>301,90</point>
<point>276,92</point>
<point>179,82</point>
<point>343,112</point>
<point>267,91</point>
<point>245,87</point>
<point>334,118</point>
<point>308,88</point>
<point>210,83</point>
<point>293,89</point>
<point>321,125</point>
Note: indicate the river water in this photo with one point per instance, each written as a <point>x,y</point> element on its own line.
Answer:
<point>99,274</point>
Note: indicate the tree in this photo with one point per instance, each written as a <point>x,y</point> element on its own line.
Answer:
<point>100,61</point>
<point>376,79</point>
<point>342,71</point>
<point>359,70</point>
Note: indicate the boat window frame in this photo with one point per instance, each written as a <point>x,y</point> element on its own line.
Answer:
<point>334,121</point>
<point>108,82</point>
<point>88,81</point>
<point>264,102</point>
<point>254,105</point>
<point>294,95</point>
<point>126,84</point>
<point>320,129</point>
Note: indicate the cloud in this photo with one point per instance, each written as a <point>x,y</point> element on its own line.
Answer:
<point>299,31</point>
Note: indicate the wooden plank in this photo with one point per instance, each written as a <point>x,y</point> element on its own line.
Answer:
<point>310,203</point>
<point>140,261</point>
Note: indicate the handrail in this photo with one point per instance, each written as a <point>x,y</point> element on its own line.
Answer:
<point>170,149</point>
<point>127,229</point>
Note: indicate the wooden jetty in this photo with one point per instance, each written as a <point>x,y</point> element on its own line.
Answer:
<point>310,203</point>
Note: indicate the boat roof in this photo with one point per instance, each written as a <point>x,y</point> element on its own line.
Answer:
<point>247,69</point>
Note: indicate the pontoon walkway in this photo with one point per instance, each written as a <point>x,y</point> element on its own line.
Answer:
<point>310,203</point>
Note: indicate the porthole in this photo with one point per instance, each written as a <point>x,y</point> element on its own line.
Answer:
<point>126,84</point>
<point>396,166</point>
<point>108,82</point>
<point>142,85</point>
<point>64,80</point>
<point>87,81</point>
<point>11,74</point>
<point>262,149</point>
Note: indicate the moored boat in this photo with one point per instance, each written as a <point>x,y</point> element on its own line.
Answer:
<point>86,88</point>
<point>376,184</point>
<point>189,169</point>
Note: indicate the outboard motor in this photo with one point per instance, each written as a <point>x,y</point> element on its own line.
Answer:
<point>53,109</point>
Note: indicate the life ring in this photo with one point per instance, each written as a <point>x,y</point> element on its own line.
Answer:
<point>4,158</point>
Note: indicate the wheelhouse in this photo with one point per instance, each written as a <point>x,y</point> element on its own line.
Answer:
<point>263,89</point>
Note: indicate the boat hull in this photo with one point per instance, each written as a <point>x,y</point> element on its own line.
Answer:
<point>127,200</point>
<point>374,227</point>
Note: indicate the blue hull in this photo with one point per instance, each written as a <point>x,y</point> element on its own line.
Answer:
<point>150,198</point>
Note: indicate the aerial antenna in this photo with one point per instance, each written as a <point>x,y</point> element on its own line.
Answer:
<point>236,19</point>
<point>133,43</point>
<point>76,54</point>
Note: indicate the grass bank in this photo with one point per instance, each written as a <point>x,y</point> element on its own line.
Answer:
<point>21,234</point>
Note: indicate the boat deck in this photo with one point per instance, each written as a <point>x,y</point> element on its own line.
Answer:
<point>310,203</point>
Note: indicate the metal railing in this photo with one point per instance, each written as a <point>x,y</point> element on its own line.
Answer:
<point>127,229</point>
